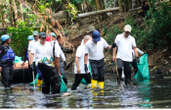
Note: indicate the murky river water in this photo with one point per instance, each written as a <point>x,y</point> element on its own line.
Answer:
<point>147,94</point>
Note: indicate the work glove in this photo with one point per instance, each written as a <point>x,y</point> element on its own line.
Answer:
<point>137,60</point>
<point>65,64</point>
<point>86,68</point>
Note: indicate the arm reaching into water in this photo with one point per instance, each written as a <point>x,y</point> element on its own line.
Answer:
<point>57,65</point>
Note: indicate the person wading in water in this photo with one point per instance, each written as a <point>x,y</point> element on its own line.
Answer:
<point>124,45</point>
<point>94,52</point>
<point>7,57</point>
<point>47,58</point>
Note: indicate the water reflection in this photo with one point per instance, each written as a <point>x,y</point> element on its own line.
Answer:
<point>144,91</point>
<point>7,101</point>
<point>98,98</point>
<point>143,95</point>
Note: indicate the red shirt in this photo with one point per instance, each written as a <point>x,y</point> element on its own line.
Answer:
<point>48,38</point>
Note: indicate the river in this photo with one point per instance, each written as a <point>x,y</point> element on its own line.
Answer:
<point>153,93</point>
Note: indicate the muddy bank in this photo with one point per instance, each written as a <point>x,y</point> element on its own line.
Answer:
<point>159,64</point>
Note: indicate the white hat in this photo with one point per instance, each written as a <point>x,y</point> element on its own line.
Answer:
<point>91,28</point>
<point>127,28</point>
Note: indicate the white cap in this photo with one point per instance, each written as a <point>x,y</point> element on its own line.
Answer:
<point>87,37</point>
<point>127,28</point>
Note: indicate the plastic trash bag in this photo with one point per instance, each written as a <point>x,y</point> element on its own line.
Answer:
<point>143,69</point>
<point>83,81</point>
<point>18,59</point>
<point>63,87</point>
<point>35,80</point>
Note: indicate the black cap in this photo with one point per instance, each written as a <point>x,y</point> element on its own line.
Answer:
<point>42,35</point>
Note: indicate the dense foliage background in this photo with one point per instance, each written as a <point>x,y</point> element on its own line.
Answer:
<point>153,32</point>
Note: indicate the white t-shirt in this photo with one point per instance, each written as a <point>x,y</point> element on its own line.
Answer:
<point>44,53</point>
<point>125,46</point>
<point>62,55</point>
<point>80,54</point>
<point>96,50</point>
<point>32,46</point>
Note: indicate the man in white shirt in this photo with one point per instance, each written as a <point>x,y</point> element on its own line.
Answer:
<point>95,50</point>
<point>47,58</point>
<point>59,42</point>
<point>32,46</point>
<point>79,65</point>
<point>32,59</point>
<point>124,45</point>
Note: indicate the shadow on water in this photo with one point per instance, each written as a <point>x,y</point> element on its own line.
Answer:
<point>145,94</point>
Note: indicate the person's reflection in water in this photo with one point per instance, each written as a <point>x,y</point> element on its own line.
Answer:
<point>7,100</point>
<point>97,97</point>
<point>144,90</point>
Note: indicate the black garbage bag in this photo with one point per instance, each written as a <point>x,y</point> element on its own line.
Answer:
<point>22,76</point>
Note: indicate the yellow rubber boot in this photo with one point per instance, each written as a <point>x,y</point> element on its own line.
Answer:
<point>101,84</point>
<point>93,83</point>
<point>39,83</point>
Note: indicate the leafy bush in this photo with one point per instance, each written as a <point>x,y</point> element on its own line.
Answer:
<point>72,9</point>
<point>111,33</point>
<point>158,23</point>
<point>19,37</point>
<point>154,34</point>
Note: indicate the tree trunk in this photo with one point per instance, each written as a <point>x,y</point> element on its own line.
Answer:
<point>98,4</point>
<point>125,5</point>
<point>133,4</point>
<point>14,10</point>
<point>65,1</point>
<point>21,9</point>
<point>89,8</point>
<point>3,20</point>
<point>102,4</point>
<point>11,13</point>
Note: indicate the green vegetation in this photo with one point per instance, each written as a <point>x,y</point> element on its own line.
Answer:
<point>154,34</point>
<point>158,23</point>
<point>71,8</point>
<point>111,33</point>
<point>19,37</point>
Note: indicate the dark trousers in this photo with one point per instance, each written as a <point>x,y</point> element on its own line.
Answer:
<point>127,70</point>
<point>78,78</point>
<point>51,79</point>
<point>134,64</point>
<point>7,76</point>
<point>97,67</point>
